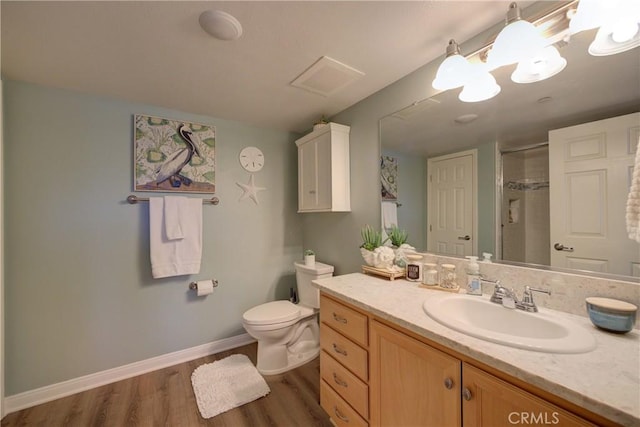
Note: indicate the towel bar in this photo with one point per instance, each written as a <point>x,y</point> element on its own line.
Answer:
<point>133,199</point>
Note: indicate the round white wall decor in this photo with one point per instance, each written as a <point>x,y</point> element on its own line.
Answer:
<point>252,159</point>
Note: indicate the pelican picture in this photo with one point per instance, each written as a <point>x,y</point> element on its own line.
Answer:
<point>173,155</point>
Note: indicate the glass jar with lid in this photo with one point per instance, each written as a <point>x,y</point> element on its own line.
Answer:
<point>429,274</point>
<point>448,278</point>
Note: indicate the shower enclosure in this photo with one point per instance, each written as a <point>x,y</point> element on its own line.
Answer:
<point>525,205</point>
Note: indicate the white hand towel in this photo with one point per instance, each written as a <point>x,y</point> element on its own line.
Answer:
<point>181,256</point>
<point>633,201</point>
<point>389,215</point>
<point>389,219</point>
<point>172,217</point>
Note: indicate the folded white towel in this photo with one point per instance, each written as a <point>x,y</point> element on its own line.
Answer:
<point>633,201</point>
<point>180,256</point>
<point>172,216</point>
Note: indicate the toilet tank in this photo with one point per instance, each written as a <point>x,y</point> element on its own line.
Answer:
<point>308,294</point>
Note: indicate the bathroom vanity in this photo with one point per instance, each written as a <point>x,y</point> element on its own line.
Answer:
<point>384,361</point>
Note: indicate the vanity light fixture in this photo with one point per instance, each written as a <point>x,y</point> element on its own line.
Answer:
<point>618,23</point>
<point>480,86</point>
<point>454,70</point>
<point>547,63</point>
<point>532,46</point>
<point>516,41</point>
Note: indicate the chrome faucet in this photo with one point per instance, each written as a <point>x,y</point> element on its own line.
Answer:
<point>508,298</point>
<point>527,303</point>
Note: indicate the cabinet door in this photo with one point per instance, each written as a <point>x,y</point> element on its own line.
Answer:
<point>314,163</point>
<point>489,401</point>
<point>411,383</point>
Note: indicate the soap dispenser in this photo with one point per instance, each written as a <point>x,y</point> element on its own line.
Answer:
<point>474,285</point>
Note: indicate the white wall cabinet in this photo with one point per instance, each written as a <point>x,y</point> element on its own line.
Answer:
<point>323,170</point>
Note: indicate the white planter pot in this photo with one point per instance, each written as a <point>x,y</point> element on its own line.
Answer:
<point>368,256</point>
<point>310,260</point>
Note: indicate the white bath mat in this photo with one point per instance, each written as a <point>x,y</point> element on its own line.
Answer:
<point>226,384</point>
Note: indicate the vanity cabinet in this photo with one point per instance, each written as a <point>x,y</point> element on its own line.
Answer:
<point>376,373</point>
<point>489,401</point>
<point>412,384</point>
<point>323,170</point>
<point>344,363</point>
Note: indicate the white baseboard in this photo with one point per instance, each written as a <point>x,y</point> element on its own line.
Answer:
<point>51,392</point>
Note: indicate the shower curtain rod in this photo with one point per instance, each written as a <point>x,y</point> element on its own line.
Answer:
<point>525,148</point>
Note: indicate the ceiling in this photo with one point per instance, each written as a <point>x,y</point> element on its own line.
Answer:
<point>156,53</point>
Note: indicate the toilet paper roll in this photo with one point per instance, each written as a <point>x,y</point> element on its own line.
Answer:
<point>205,287</point>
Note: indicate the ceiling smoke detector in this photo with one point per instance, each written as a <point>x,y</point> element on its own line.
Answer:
<point>220,25</point>
<point>465,118</point>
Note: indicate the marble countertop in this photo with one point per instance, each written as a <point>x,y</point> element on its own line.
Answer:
<point>605,381</point>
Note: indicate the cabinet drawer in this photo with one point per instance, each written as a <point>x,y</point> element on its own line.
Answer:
<point>347,385</point>
<point>345,351</point>
<point>340,412</point>
<point>345,320</point>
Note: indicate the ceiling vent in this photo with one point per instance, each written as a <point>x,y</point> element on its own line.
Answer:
<point>326,76</point>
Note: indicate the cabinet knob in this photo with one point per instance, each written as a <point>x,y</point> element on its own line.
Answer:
<point>466,394</point>
<point>448,383</point>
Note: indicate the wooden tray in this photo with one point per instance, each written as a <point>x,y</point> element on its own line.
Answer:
<point>381,272</point>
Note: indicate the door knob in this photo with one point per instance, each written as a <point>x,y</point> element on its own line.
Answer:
<point>561,247</point>
<point>467,237</point>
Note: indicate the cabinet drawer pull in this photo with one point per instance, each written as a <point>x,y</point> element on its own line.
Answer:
<point>448,383</point>
<point>339,415</point>
<point>312,191</point>
<point>339,350</point>
<point>339,381</point>
<point>466,394</point>
<point>339,318</point>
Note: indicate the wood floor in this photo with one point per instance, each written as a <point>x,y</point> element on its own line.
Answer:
<point>165,398</point>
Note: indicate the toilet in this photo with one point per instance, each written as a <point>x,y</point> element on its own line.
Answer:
<point>287,333</point>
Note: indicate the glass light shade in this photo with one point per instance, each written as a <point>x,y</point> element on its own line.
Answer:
<point>590,14</point>
<point>515,43</point>
<point>452,73</point>
<point>480,86</point>
<point>546,63</point>
<point>605,41</point>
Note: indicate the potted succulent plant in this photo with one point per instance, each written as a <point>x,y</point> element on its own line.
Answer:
<point>309,258</point>
<point>373,253</point>
<point>398,237</point>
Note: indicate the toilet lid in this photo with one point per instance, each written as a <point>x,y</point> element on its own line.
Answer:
<point>271,312</point>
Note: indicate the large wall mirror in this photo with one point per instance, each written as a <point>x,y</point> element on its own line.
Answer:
<point>516,168</point>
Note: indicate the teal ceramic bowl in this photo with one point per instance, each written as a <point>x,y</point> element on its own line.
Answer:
<point>611,315</point>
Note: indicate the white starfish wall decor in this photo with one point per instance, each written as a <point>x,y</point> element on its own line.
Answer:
<point>250,190</point>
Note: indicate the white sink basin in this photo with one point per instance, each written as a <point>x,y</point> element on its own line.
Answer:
<point>477,316</point>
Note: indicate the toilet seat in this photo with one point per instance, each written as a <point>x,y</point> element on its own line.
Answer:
<point>275,312</point>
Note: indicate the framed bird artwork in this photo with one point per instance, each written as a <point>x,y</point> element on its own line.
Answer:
<point>173,155</point>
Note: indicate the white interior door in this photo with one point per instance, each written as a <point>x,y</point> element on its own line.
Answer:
<point>590,176</point>
<point>452,204</point>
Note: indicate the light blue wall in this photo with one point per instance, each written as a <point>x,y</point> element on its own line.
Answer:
<point>412,195</point>
<point>79,295</point>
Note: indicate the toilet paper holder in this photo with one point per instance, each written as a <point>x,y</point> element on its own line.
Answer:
<point>194,285</point>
